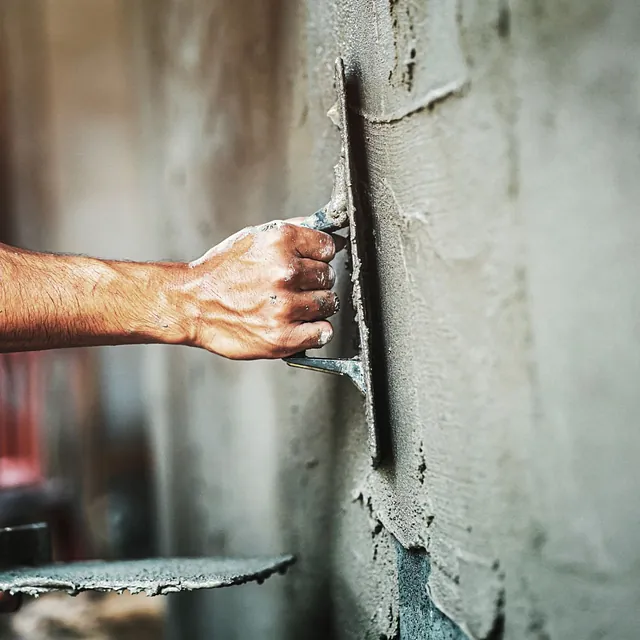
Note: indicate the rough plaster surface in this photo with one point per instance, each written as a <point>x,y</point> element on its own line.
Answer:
<point>419,617</point>
<point>503,184</point>
<point>154,577</point>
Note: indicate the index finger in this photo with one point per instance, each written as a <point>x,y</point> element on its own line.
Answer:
<point>316,245</point>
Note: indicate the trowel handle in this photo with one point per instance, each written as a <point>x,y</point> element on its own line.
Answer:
<point>349,367</point>
<point>320,221</point>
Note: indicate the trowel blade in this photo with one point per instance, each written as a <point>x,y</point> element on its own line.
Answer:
<point>345,209</point>
<point>358,238</point>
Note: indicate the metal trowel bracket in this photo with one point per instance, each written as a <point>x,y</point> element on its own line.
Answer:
<point>344,210</point>
<point>349,367</point>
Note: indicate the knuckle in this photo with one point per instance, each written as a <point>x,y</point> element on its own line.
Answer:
<point>292,272</point>
<point>283,233</point>
<point>273,232</point>
<point>282,341</point>
<point>289,273</point>
<point>284,273</point>
<point>289,230</point>
<point>296,268</point>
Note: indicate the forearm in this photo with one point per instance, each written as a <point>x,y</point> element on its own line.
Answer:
<point>263,293</point>
<point>52,301</point>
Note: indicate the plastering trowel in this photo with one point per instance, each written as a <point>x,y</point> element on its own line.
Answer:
<point>342,210</point>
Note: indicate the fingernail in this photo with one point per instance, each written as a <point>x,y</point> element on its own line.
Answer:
<point>337,303</point>
<point>325,337</point>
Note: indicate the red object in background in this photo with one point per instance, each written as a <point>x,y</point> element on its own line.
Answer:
<point>20,417</point>
<point>26,494</point>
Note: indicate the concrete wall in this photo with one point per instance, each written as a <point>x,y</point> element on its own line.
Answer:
<point>502,148</point>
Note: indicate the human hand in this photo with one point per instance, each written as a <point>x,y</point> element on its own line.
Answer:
<point>262,293</point>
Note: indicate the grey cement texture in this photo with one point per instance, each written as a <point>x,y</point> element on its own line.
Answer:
<point>419,617</point>
<point>155,577</point>
<point>502,165</point>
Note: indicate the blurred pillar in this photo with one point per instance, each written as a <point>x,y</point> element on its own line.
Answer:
<point>25,132</point>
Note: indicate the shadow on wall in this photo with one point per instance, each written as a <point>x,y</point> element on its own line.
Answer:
<point>370,281</point>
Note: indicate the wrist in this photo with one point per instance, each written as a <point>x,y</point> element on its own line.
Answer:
<point>173,320</point>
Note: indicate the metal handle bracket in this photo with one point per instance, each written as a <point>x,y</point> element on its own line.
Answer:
<point>349,367</point>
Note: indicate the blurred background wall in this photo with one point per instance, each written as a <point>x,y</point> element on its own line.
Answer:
<point>75,183</point>
<point>500,139</point>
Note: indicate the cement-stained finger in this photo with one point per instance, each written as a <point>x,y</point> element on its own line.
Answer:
<point>316,245</point>
<point>308,335</point>
<point>314,305</point>
<point>313,275</point>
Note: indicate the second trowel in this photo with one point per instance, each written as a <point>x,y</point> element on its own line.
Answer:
<point>344,209</point>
